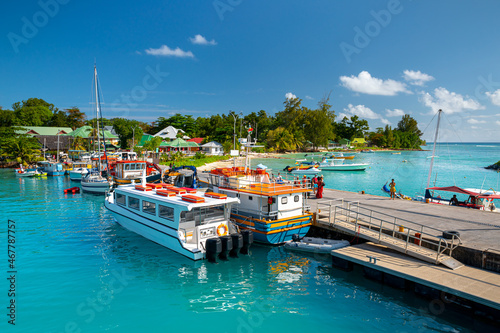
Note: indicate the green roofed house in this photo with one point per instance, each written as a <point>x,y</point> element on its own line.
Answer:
<point>44,130</point>
<point>179,145</point>
<point>344,143</point>
<point>358,141</point>
<point>86,133</point>
<point>145,138</point>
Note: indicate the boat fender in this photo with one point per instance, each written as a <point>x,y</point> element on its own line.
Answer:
<point>448,234</point>
<point>296,238</point>
<point>213,248</point>
<point>247,241</point>
<point>237,240</point>
<point>222,230</point>
<point>227,245</point>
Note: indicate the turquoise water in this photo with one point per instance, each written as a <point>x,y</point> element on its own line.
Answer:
<point>78,271</point>
<point>457,164</point>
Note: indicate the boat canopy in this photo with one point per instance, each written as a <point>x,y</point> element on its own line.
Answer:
<point>457,189</point>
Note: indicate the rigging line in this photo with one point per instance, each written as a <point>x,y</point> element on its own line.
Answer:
<point>451,165</point>
<point>412,146</point>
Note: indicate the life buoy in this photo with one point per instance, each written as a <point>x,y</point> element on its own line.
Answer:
<point>270,200</point>
<point>222,230</point>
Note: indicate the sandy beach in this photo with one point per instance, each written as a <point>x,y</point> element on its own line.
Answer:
<point>239,161</point>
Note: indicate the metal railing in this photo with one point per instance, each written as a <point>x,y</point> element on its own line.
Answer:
<point>339,210</point>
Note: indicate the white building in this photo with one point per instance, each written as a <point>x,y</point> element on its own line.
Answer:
<point>212,148</point>
<point>170,133</point>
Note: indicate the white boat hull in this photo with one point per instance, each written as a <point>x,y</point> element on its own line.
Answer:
<point>77,175</point>
<point>312,171</point>
<point>316,245</point>
<point>152,230</point>
<point>345,167</point>
<point>96,187</point>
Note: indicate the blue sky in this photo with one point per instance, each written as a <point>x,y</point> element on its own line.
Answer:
<point>379,59</point>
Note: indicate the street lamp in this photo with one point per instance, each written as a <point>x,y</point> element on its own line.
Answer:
<point>133,137</point>
<point>234,130</point>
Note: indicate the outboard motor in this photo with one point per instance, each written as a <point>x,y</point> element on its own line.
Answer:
<point>237,245</point>
<point>295,238</point>
<point>227,245</point>
<point>214,247</point>
<point>247,240</point>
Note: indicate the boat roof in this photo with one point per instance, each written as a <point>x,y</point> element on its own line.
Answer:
<point>176,200</point>
<point>473,192</point>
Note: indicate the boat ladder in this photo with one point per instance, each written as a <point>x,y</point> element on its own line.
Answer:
<point>414,239</point>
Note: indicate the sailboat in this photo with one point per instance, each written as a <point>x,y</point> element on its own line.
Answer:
<point>94,181</point>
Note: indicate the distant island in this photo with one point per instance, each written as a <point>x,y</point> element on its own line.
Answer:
<point>495,166</point>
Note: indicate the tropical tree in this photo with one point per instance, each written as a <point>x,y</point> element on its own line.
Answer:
<point>75,118</point>
<point>21,149</point>
<point>33,112</point>
<point>282,140</point>
<point>127,130</point>
<point>319,124</point>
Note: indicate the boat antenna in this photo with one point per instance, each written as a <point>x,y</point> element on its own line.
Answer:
<point>434,148</point>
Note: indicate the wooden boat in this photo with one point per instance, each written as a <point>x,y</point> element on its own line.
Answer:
<point>194,225</point>
<point>274,211</point>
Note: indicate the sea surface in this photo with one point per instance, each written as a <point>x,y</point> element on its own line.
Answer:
<point>77,270</point>
<point>455,164</point>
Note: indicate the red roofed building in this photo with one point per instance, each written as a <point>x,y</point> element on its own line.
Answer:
<point>197,140</point>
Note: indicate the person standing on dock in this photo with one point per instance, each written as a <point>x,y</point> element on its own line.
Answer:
<point>315,184</point>
<point>321,184</point>
<point>392,187</point>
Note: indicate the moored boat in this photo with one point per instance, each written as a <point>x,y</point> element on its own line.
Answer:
<point>130,171</point>
<point>338,165</point>
<point>315,245</point>
<point>194,225</point>
<point>80,169</point>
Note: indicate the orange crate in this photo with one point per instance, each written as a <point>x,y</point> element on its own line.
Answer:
<point>193,198</point>
<point>177,190</point>
<point>189,190</point>
<point>142,188</point>
<point>215,195</point>
<point>152,185</point>
<point>166,193</point>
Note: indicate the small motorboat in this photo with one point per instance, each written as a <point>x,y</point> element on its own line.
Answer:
<point>309,171</point>
<point>315,245</point>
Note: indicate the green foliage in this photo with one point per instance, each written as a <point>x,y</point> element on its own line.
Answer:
<point>352,127</point>
<point>152,144</point>
<point>282,140</point>
<point>319,126</point>
<point>33,112</point>
<point>75,118</point>
<point>199,155</point>
<point>124,128</point>
<point>196,162</point>
<point>21,149</point>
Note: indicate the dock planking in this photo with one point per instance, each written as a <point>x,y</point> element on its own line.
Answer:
<point>477,285</point>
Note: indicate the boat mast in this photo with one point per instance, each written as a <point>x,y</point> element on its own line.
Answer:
<point>434,148</point>
<point>97,119</point>
<point>57,158</point>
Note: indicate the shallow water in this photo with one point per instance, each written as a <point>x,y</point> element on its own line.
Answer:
<point>78,271</point>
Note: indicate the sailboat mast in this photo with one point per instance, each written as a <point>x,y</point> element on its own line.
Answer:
<point>434,148</point>
<point>97,118</point>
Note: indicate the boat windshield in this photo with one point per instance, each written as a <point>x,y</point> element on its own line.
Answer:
<point>203,215</point>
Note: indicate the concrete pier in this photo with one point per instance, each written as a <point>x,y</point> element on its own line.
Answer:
<point>479,230</point>
<point>469,287</point>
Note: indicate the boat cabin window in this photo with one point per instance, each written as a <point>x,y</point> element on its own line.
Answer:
<point>121,199</point>
<point>250,197</point>
<point>149,207</point>
<point>133,203</point>
<point>284,200</point>
<point>126,167</point>
<point>296,198</point>
<point>166,212</point>
<point>203,215</point>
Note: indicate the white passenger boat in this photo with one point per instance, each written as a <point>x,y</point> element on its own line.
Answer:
<point>194,224</point>
<point>315,245</point>
<point>328,164</point>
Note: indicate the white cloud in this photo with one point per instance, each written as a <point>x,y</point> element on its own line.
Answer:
<point>363,112</point>
<point>474,127</point>
<point>449,102</point>
<point>497,122</point>
<point>494,97</point>
<point>309,97</point>
<point>417,78</point>
<point>200,40</point>
<point>165,51</point>
<point>474,121</point>
<point>366,84</point>
<point>289,95</point>
<point>394,113</point>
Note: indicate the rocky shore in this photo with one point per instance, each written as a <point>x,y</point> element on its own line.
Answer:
<point>495,166</point>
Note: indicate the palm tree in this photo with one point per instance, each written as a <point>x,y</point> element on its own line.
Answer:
<point>21,150</point>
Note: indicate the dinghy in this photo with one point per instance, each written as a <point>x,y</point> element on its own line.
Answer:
<point>315,245</point>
